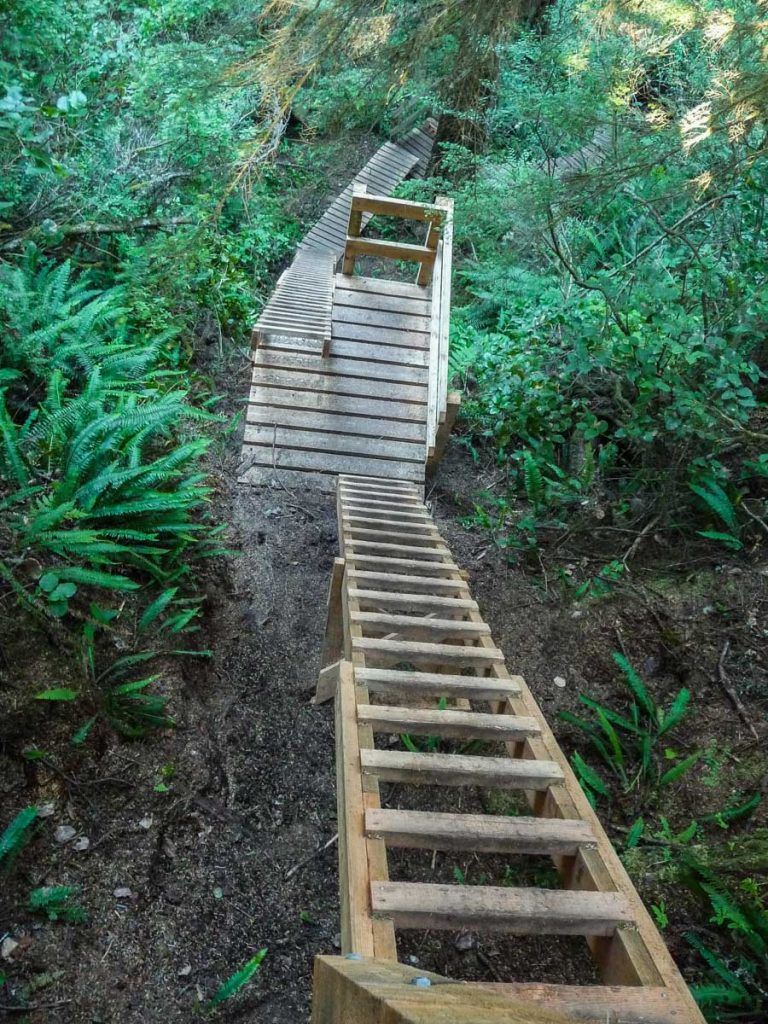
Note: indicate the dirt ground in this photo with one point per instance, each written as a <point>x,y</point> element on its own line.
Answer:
<point>202,842</point>
<point>250,775</point>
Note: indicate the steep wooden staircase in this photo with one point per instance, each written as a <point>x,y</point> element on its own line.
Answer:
<point>407,653</point>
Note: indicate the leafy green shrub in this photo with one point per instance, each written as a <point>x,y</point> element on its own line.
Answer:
<point>627,743</point>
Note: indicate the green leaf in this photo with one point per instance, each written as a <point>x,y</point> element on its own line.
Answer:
<point>679,769</point>
<point>588,775</point>
<point>727,538</point>
<point>157,607</point>
<point>636,685</point>
<point>83,732</point>
<point>676,711</point>
<point>134,687</point>
<point>240,978</point>
<point>635,833</point>
<point>48,582</point>
<point>59,693</point>
<point>17,833</point>
<point>743,810</point>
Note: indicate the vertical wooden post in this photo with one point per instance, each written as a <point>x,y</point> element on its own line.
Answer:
<point>354,227</point>
<point>333,642</point>
<point>431,242</point>
<point>444,429</point>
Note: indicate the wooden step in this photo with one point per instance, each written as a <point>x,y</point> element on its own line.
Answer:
<point>412,602</point>
<point>499,909</point>
<point>600,1004</point>
<point>405,584</point>
<point>433,551</point>
<point>469,725</point>
<point>460,770</point>
<point>374,513</point>
<point>412,566</point>
<point>419,626</point>
<point>435,684</point>
<point>388,537</point>
<point>413,652</point>
<point>482,833</point>
<point>382,526</point>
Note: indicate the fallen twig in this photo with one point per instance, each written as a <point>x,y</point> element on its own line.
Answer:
<point>650,525</point>
<point>311,856</point>
<point>732,695</point>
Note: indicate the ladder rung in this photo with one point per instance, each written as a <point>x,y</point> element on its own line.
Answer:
<point>458,724</point>
<point>499,909</point>
<point>412,565</point>
<point>436,551</point>
<point>435,684</point>
<point>601,1004</point>
<point>482,833</point>
<point>376,527</point>
<point>414,652</point>
<point>412,602</point>
<point>408,584</point>
<point>388,536</point>
<point>384,515</point>
<point>411,625</point>
<point>460,770</point>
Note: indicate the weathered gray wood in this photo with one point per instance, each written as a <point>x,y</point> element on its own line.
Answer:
<point>460,770</point>
<point>329,462</point>
<point>351,444</point>
<point>449,723</point>
<point>336,366</point>
<point>494,909</point>
<point>436,684</point>
<point>481,833</point>
<point>338,423</point>
<point>350,386</point>
<point>380,318</point>
<point>347,405</point>
<point>418,627</point>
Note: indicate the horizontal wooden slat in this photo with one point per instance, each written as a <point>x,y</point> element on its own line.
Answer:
<point>287,458</point>
<point>492,908</point>
<point>418,653</point>
<point>347,405</point>
<point>419,769</point>
<point>436,550</point>
<point>435,684</point>
<point>390,207</point>
<point>368,299</point>
<point>449,723</point>
<point>418,627</point>
<point>380,318</point>
<point>389,250</point>
<point>350,444</point>
<point>387,527</point>
<point>412,566</point>
<point>337,366</point>
<point>481,833</point>
<point>339,423</point>
<point>380,335</point>
<point>388,537</point>
<point>407,585</point>
<point>380,286</point>
<point>352,387</point>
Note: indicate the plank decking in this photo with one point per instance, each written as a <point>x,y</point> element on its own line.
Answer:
<point>407,652</point>
<point>350,372</point>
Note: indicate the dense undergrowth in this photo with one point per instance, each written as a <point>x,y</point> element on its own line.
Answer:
<point>608,165</point>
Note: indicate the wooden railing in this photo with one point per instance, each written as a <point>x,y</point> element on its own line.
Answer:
<point>442,407</point>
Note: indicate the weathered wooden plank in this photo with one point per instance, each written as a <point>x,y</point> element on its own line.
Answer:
<point>493,908</point>
<point>351,349</point>
<point>426,551</point>
<point>359,521</point>
<point>600,1004</point>
<point>481,833</point>
<point>380,336</point>
<point>412,566</point>
<point>378,537</point>
<point>340,423</point>
<point>380,318</point>
<point>411,304</point>
<point>416,627</point>
<point>448,723</point>
<point>349,444</point>
<point>419,769</point>
<point>381,286</point>
<point>416,653</point>
<point>350,386</point>
<point>435,684</point>
<point>409,585</point>
<point>337,366</point>
<point>329,462</point>
<point>343,405</point>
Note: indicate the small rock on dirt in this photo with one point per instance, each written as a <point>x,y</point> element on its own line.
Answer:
<point>81,843</point>
<point>464,941</point>
<point>559,682</point>
<point>64,833</point>
<point>122,893</point>
<point>7,947</point>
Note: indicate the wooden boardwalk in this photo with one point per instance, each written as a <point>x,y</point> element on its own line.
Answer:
<point>350,372</point>
<point>407,653</point>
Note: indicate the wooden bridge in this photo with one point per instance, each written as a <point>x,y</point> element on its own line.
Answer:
<point>350,392</point>
<point>407,654</point>
<point>350,371</point>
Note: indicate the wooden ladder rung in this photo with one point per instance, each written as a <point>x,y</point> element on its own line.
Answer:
<point>415,653</point>
<point>449,723</point>
<point>435,552</point>
<point>375,513</point>
<point>499,909</point>
<point>409,565</point>
<point>377,526</point>
<point>481,833</point>
<point>412,602</point>
<point>419,769</point>
<point>435,684</point>
<point>415,626</point>
<point>405,584</point>
<point>386,538</point>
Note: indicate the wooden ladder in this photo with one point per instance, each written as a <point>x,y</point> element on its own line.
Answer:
<point>407,652</point>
